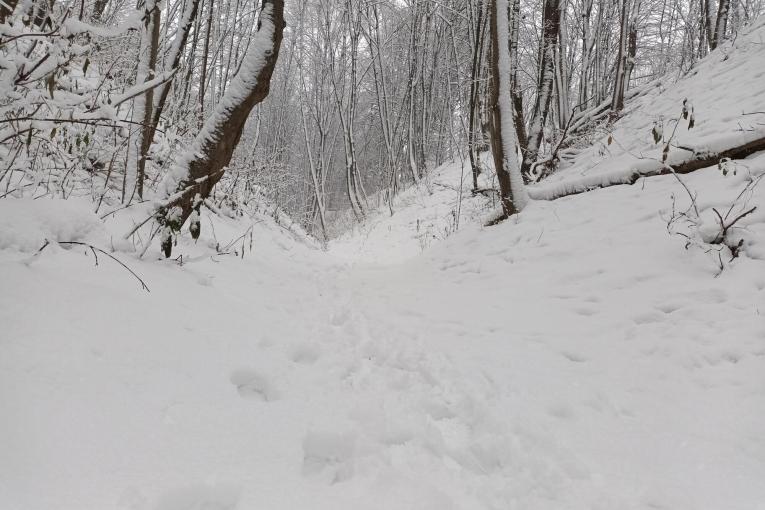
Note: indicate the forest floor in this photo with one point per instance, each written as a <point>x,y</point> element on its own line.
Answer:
<point>577,356</point>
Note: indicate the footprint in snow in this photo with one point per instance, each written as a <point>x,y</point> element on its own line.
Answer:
<point>329,456</point>
<point>305,353</point>
<point>647,318</point>
<point>252,385</point>
<point>340,317</point>
<point>586,311</point>
<point>200,497</point>
<point>574,357</point>
<point>669,307</point>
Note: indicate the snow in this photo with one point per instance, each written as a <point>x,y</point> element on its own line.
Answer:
<point>25,224</point>
<point>242,85</point>
<point>576,356</point>
<point>721,88</point>
<point>423,216</point>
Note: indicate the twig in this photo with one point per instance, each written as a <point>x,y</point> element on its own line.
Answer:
<point>94,249</point>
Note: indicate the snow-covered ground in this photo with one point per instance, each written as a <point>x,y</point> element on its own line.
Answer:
<point>575,357</point>
<point>578,357</point>
<point>725,95</point>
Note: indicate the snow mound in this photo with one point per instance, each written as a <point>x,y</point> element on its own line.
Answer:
<point>25,224</point>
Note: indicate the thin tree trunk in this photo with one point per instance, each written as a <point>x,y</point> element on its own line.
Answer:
<point>545,83</point>
<point>617,101</point>
<point>722,23</point>
<point>205,56</point>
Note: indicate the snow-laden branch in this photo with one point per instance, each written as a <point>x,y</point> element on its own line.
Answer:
<point>214,129</point>
<point>75,27</point>
<point>134,91</point>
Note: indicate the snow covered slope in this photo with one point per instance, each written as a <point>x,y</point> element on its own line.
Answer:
<point>726,92</point>
<point>575,357</point>
<point>423,215</point>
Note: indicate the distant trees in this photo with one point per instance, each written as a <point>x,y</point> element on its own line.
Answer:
<point>144,102</point>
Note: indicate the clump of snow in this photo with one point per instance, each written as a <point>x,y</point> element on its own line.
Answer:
<point>25,224</point>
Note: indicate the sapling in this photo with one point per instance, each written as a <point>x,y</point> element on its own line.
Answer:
<point>711,230</point>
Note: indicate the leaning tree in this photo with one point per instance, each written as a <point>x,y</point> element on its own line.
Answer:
<point>198,170</point>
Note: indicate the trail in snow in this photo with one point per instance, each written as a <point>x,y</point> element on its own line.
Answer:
<point>578,357</point>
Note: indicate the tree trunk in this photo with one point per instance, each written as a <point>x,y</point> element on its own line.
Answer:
<point>545,83</point>
<point>176,52</point>
<point>511,187</point>
<point>515,88</point>
<point>617,101</point>
<point>147,131</point>
<point>205,56</point>
<point>202,166</point>
<point>721,25</point>
<point>475,74</point>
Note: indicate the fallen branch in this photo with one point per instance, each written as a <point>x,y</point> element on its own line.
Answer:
<point>95,252</point>
<point>677,164</point>
<point>484,191</point>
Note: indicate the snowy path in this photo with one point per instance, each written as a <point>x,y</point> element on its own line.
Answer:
<point>577,359</point>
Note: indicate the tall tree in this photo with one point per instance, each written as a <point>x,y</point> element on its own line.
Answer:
<point>513,195</point>
<point>545,82</point>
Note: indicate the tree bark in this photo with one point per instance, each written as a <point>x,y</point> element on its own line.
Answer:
<point>176,52</point>
<point>511,187</point>
<point>721,25</point>
<point>197,172</point>
<point>545,83</point>
<point>475,74</point>
<point>617,101</point>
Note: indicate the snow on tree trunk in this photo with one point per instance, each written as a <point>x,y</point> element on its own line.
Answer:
<point>513,193</point>
<point>142,104</point>
<point>201,167</point>
<point>550,34</point>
